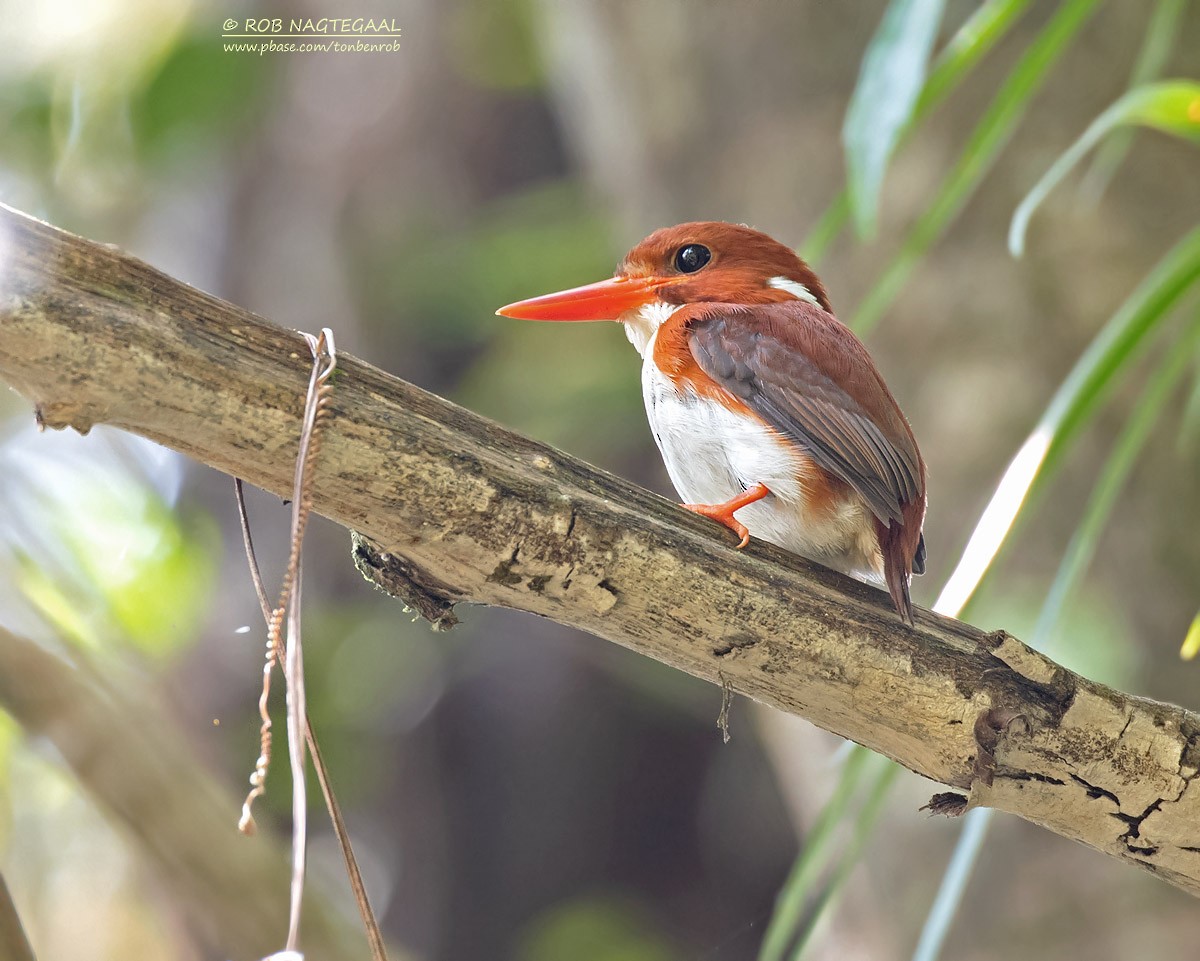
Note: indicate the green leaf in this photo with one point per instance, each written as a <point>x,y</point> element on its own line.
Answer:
<point>981,31</point>
<point>987,140</point>
<point>1114,349</point>
<point>1109,355</point>
<point>889,83</point>
<point>880,786</point>
<point>1075,562</point>
<point>1122,460</point>
<point>818,850</point>
<point>1172,107</point>
<point>1076,401</point>
<point>1161,32</point>
<point>1191,643</point>
<point>954,884</point>
<point>1189,431</point>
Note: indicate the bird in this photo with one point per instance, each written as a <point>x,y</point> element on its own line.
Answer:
<point>771,417</point>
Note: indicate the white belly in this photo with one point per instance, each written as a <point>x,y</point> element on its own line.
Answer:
<point>712,454</point>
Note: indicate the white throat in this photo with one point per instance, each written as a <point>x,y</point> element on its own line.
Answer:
<point>642,324</point>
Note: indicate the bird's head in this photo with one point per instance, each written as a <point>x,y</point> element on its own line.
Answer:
<point>702,262</point>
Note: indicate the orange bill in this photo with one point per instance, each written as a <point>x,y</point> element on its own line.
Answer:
<point>606,300</point>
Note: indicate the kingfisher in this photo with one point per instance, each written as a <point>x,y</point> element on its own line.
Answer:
<point>763,404</point>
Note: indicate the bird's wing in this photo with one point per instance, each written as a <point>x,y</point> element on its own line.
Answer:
<point>767,357</point>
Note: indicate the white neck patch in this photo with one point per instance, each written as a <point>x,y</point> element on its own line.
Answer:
<point>641,325</point>
<point>793,287</point>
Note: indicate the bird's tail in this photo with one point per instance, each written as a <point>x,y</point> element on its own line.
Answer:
<point>896,542</point>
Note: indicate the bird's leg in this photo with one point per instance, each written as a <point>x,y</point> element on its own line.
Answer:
<point>723,513</point>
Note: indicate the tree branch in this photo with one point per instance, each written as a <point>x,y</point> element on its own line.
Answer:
<point>458,509</point>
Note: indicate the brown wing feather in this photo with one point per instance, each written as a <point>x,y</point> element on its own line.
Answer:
<point>808,376</point>
<point>774,358</point>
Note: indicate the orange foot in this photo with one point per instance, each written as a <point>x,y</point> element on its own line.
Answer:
<point>723,513</point>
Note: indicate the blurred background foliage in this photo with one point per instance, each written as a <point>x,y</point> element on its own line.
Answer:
<point>516,790</point>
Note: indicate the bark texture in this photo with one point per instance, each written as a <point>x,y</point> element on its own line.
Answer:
<point>453,508</point>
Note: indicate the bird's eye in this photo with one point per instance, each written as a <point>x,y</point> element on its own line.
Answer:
<point>691,257</point>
